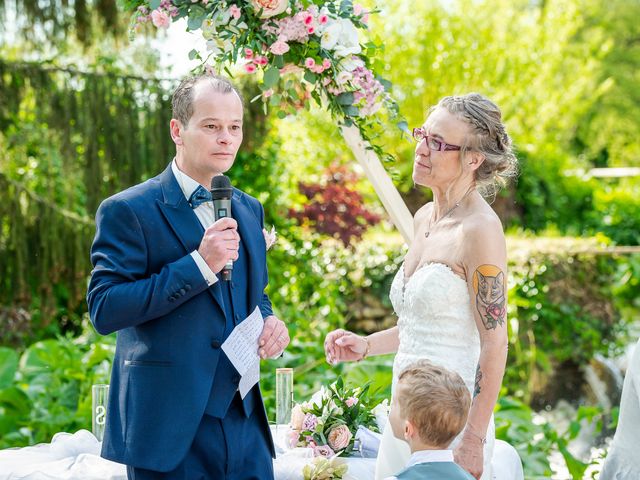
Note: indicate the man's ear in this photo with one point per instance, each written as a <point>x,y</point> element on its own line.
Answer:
<point>175,127</point>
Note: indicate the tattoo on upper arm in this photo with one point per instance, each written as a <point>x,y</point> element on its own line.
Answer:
<point>488,283</point>
<point>476,388</point>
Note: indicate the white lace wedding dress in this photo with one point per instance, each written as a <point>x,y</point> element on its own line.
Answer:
<point>436,323</point>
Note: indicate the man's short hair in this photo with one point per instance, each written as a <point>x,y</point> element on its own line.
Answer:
<point>182,99</point>
<point>435,400</point>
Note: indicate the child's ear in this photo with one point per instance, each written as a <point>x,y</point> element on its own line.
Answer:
<point>409,430</point>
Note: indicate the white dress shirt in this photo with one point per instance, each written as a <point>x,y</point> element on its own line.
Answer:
<point>205,214</point>
<point>424,456</point>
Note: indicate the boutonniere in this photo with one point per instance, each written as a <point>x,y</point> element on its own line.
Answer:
<point>270,237</point>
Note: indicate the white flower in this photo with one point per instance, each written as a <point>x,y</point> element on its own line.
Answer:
<point>270,237</point>
<point>343,77</point>
<point>341,36</point>
<point>330,35</point>
<point>350,63</point>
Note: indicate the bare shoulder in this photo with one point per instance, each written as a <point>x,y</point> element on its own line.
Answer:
<point>483,233</point>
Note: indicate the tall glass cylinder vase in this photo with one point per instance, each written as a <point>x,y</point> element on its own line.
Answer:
<point>99,398</point>
<point>284,395</point>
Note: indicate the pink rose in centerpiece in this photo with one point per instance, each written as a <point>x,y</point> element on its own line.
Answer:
<point>351,401</point>
<point>294,437</point>
<point>248,53</point>
<point>323,451</point>
<point>309,62</point>
<point>339,437</point>
<point>250,68</point>
<point>270,8</point>
<point>297,415</point>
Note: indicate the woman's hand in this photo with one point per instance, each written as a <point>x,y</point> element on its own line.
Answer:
<point>469,454</point>
<point>344,346</point>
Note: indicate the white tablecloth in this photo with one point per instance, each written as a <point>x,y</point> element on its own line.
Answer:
<point>77,457</point>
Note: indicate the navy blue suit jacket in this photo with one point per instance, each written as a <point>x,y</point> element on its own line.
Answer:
<point>170,324</point>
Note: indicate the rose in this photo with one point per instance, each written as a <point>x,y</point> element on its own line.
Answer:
<point>339,437</point>
<point>297,417</point>
<point>160,19</point>
<point>309,422</point>
<point>270,8</point>
<point>235,12</point>
<point>323,451</point>
<point>294,437</point>
<point>496,311</point>
<point>279,47</point>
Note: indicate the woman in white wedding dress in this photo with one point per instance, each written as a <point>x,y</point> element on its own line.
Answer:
<point>450,294</point>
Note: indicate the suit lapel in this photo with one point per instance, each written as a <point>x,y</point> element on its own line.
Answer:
<point>184,222</point>
<point>251,234</point>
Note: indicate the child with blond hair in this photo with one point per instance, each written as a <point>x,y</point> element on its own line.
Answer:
<point>429,409</point>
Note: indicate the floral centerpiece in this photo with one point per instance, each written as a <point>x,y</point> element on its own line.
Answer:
<point>328,423</point>
<point>302,50</point>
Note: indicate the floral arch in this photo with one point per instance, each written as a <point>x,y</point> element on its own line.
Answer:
<point>301,51</point>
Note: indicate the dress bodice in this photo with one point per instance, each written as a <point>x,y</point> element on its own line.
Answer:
<point>435,321</point>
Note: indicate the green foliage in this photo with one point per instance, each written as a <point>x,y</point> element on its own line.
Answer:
<point>616,213</point>
<point>535,438</point>
<point>557,296</point>
<point>49,389</point>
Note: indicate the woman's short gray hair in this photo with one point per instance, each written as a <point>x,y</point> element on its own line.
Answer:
<point>182,99</point>
<point>488,137</point>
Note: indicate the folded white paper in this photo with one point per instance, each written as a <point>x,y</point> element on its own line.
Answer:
<point>241,347</point>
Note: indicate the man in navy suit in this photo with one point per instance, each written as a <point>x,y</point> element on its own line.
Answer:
<point>174,409</point>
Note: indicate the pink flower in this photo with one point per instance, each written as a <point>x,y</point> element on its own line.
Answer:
<point>267,94</point>
<point>290,68</point>
<point>322,19</point>
<point>310,30</point>
<point>248,53</point>
<point>269,8</point>
<point>250,68</point>
<point>261,60</point>
<point>294,437</point>
<point>160,19</point>
<point>235,12</point>
<point>323,451</point>
<point>279,47</point>
<point>297,415</point>
<point>339,437</point>
<point>309,62</point>
<point>351,401</point>
<point>496,311</point>
<point>358,9</point>
<point>310,422</point>
<point>308,19</point>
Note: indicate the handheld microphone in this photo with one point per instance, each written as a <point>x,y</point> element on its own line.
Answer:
<point>221,193</point>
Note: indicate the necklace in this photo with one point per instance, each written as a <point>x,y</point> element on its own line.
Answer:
<point>449,212</point>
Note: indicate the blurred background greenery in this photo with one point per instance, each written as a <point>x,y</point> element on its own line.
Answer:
<point>84,113</point>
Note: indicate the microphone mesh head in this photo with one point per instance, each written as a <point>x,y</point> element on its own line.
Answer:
<point>221,187</point>
<point>220,181</point>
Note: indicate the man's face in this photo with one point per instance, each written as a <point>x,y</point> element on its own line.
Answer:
<point>396,419</point>
<point>212,137</point>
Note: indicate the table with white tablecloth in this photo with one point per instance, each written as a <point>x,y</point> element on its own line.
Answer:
<point>77,457</point>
